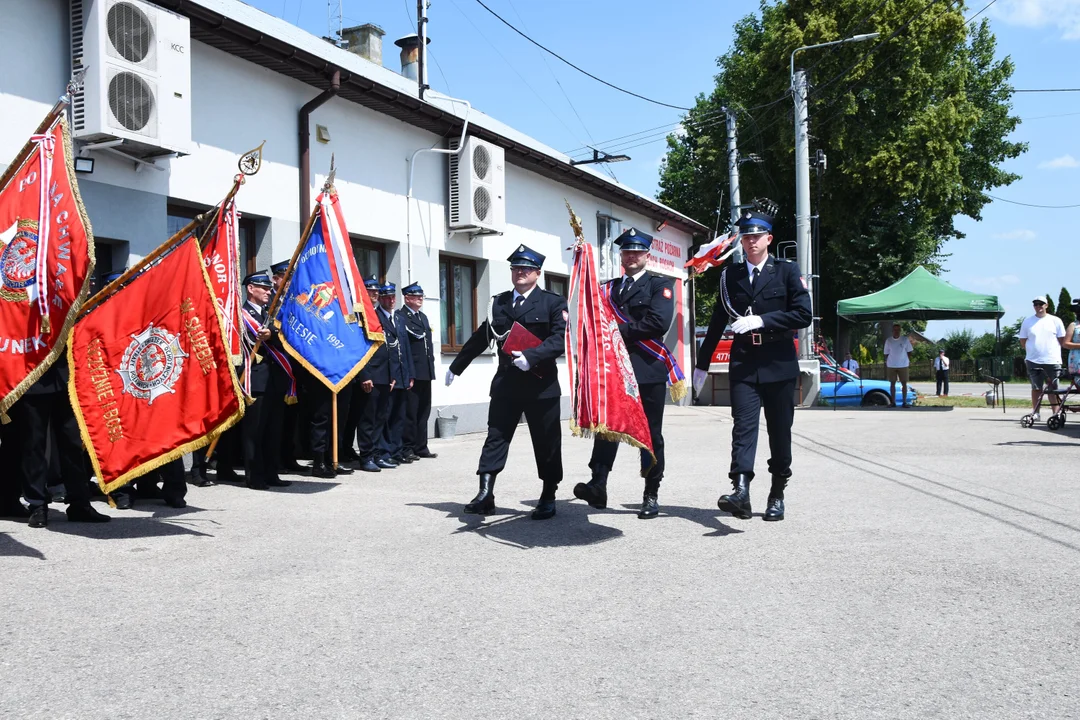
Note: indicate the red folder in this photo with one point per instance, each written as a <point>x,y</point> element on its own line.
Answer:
<point>519,339</point>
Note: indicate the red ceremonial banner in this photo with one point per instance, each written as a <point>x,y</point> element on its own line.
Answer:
<point>151,378</point>
<point>605,398</point>
<point>46,258</point>
<point>221,256</point>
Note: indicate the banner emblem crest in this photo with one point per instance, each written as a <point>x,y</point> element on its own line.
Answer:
<point>18,263</point>
<point>152,364</point>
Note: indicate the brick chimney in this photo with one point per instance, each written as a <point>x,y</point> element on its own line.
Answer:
<point>366,41</point>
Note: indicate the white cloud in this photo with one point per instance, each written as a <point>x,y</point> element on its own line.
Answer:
<point>1025,235</point>
<point>1062,14</point>
<point>995,282</point>
<point>1065,161</point>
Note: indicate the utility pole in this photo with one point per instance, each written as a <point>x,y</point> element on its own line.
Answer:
<point>802,200</point>
<point>421,33</point>
<point>733,177</point>
<point>333,21</point>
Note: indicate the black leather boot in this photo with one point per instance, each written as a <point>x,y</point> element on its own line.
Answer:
<point>593,492</point>
<point>545,506</point>
<point>738,502</point>
<point>484,502</point>
<point>775,511</point>
<point>650,508</point>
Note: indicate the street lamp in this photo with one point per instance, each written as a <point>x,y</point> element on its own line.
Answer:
<point>802,180</point>
<point>598,158</point>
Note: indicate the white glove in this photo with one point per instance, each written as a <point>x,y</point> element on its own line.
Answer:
<point>450,377</point>
<point>747,324</point>
<point>520,361</point>
<point>699,379</point>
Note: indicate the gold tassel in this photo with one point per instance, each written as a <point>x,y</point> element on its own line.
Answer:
<point>4,419</point>
<point>290,400</point>
<point>249,400</point>
<point>112,503</point>
<point>46,325</point>
<point>678,390</point>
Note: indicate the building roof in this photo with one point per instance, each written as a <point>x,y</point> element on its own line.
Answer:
<point>258,37</point>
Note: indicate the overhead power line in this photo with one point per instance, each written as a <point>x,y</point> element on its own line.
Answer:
<point>580,70</point>
<point>1031,205</point>
<point>1050,90</point>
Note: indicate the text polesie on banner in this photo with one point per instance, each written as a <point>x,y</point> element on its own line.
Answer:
<point>151,377</point>
<point>46,257</point>
<point>605,398</point>
<point>326,319</point>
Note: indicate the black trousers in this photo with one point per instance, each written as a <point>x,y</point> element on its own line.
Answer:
<point>322,418</point>
<point>10,485</point>
<point>653,396</point>
<point>747,400</point>
<point>942,379</point>
<point>171,475</point>
<point>261,428</point>
<point>417,413</point>
<point>32,416</point>
<point>290,419</point>
<point>542,415</point>
<point>372,422</point>
<point>392,444</point>
<point>352,422</point>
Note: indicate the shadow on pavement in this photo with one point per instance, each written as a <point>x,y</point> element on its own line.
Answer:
<point>1036,443</point>
<point>306,487</point>
<point>570,526</point>
<point>10,547</point>
<point>706,518</point>
<point>158,525</point>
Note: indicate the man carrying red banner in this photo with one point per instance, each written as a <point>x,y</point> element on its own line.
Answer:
<point>151,374</point>
<point>529,326</point>
<point>644,306</point>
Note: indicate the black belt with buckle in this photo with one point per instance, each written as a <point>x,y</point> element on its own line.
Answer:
<point>760,338</point>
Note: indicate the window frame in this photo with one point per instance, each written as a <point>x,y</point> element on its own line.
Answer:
<point>247,226</point>
<point>450,261</point>
<point>361,243</point>
<point>564,279</point>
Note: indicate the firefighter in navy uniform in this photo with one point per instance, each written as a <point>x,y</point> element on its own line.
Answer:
<point>415,436</point>
<point>766,303</point>
<point>290,417</point>
<point>392,445</point>
<point>526,381</point>
<point>378,379</point>
<point>648,301</point>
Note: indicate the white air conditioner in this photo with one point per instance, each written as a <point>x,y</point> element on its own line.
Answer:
<point>477,187</point>
<point>138,76</point>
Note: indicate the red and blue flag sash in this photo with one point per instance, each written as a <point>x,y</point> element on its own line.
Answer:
<point>675,379</point>
<point>253,326</point>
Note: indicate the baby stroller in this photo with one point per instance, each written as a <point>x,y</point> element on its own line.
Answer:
<point>1056,421</point>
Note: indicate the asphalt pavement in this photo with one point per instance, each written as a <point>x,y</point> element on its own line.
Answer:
<point>927,568</point>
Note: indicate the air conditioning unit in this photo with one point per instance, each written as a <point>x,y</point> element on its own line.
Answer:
<point>477,187</point>
<point>138,76</point>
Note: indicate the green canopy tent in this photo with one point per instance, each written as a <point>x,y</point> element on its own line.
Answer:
<point>920,296</point>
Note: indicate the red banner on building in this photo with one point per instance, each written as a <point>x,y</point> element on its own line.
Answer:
<point>46,258</point>
<point>605,398</point>
<point>151,378</point>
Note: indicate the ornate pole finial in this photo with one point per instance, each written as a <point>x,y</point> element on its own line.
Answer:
<point>329,184</point>
<point>575,223</point>
<point>251,161</point>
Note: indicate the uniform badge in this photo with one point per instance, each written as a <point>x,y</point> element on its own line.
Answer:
<point>521,248</point>
<point>152,364</point>
<point>667,293</point>
<point>18,263</point>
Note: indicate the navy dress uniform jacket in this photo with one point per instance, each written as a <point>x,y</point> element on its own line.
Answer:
<point>544,314</point>
<point>393,360</point>
<point>423,353</point>
<point>650,305</point>
<point>779,298</point>
<point>260,371</point>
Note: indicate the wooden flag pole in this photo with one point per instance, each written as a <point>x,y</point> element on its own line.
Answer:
<point>333,429</point>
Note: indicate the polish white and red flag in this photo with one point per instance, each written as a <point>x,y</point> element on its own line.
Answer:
<point>713,254</point>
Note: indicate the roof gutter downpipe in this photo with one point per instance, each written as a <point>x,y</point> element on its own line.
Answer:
<point>305,143</point>
<point>412,166</point>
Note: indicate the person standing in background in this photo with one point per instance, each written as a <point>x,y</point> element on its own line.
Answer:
<point>850,364</point>
<point>897,361</point>
<point>941,372</point>
<point>1042,336</point>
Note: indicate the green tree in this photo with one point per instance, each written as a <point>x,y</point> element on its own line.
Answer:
<point>915,134</point>
<point>958,344</point>
<point>1051,309</point>
<point>1064,308</point>
<point>984,346</point>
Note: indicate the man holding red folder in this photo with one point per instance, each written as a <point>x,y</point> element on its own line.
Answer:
<point>528,324</point>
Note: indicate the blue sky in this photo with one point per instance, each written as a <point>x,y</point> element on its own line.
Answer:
<point>667,51</point>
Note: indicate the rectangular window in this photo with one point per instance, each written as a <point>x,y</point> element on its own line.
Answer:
<point>370,258</point>
<point>558,284</point>
<point>181,215</point>
<point>457,301</point>
<point>607,255</point>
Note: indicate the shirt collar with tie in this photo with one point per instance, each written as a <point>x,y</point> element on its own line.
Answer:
<point>519,299</point>
<point>754,270</point>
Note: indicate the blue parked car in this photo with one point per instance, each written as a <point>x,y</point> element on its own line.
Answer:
<point>842,388</point>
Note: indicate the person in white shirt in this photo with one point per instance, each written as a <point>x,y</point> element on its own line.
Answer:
<point>897,359</point>
<point>1042,336</point>
<point>850,363</point>
<point>941,372</point>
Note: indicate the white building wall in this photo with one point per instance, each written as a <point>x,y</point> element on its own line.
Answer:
<point>235,106</point>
